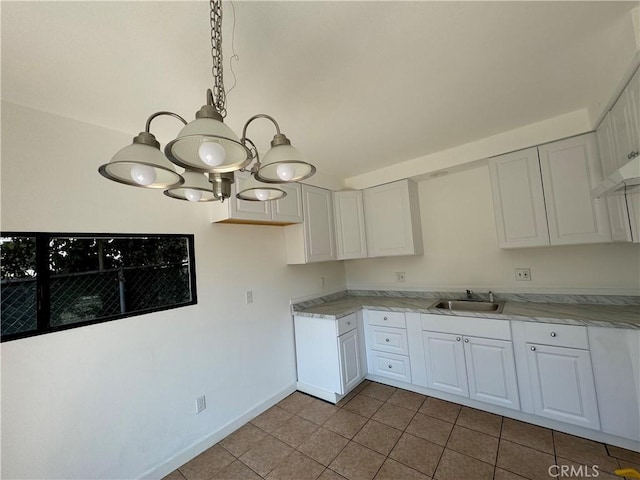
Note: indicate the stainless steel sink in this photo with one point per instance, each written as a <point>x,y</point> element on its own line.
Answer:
<point>468,306</point>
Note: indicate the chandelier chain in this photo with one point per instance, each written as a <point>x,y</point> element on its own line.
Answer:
<point>219,95</point>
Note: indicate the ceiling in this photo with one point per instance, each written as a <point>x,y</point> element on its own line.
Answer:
<point>356,86</point>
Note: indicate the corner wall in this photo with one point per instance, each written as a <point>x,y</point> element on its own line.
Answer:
<point>117,400</point>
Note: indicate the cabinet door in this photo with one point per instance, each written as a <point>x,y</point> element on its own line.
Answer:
<point>625,122</point>
<point>246,210</point>
<point>288,209</point>
<point>491,371</point>
<point>570,170</point>
<point>444,357</point>
<point>351,240</point>
<point>349,348</point>
<point>518,200</point>
<point>392,219</point>
<point>616,203</point>
<point>562,385</point>
<point>319,236</point>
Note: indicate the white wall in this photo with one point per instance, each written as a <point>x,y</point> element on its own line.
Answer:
<point>461,251</point>
<point>116,400</point>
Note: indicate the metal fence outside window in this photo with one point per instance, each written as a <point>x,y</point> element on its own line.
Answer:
<point>86,296</point>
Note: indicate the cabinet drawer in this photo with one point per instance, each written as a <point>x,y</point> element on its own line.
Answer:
<point>386,319</point>
<point>346,324</point>
<point>574,336</point>
<point>387,339</point>
<point>392,366</point>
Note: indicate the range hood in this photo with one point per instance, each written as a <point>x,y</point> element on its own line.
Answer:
<point>627,176</point>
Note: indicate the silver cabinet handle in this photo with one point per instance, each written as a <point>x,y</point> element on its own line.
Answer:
<point>458,339</point>
<point>533,349</point>
<point>386,340</point>
<point>553,334</point>
<point>466,340</point>
<point>390,366</point>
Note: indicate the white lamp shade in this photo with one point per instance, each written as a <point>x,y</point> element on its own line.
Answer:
<point>138,154</point>
<point>284,163</point>
<point>195,185</point>
<point>255,191</point>
<point>186,148</point>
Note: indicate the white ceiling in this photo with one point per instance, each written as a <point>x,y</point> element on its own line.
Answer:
<point>355,85</point>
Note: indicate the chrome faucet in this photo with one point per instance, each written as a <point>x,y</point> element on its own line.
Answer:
<point>491,297</point>
<point>469,294</point>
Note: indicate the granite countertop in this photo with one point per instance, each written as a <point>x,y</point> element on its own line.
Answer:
<point>600,315</point>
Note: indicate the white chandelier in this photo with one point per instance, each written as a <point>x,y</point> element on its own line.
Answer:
<point>209,150</point>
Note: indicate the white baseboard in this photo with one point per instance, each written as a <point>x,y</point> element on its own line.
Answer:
<point>210,440</point>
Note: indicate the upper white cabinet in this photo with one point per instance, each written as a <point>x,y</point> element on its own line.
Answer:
<point>618,141</point>
<point>280,212</point>
<point>314,239</point>
<point>392,219</point>
<point>570,170</point>
<point>351,239</point>
<point>542,195</point>
<point>619,221</point>
<point>518,200</point>
<point>625,122</point>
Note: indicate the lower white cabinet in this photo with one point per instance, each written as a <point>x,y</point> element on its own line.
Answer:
<point>349,352</point>
<point>562,385</point>
<point>557,377</point>
<point>444,356</point>
<point>387,345</point>
<point>615,353</point>
<point>328,356</point>
<point>472,358</point>
<point>479,368</point>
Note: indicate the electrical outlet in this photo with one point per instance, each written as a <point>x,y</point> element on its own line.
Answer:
<point>201,404</point>
<point>249,296</point>
<point>523,274</point>
<point>400,277</point>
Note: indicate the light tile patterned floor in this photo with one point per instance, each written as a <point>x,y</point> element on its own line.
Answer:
<point>384,433</point>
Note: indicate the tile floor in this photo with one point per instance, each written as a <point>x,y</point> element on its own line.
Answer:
<point>384,433</point>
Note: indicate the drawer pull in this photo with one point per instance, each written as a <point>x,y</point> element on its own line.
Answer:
<point>386,318</point>
<point>390,366</point>
<point>553,334</point>
<point>348,323</point>
<point>458,339</point>
<point>533,349</point>
<point>386,340</point>
<point>466,340</point>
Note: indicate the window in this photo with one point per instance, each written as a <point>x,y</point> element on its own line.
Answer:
<point>52,282</point>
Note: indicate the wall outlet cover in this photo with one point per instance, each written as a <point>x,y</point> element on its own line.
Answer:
<point>523,274</point>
